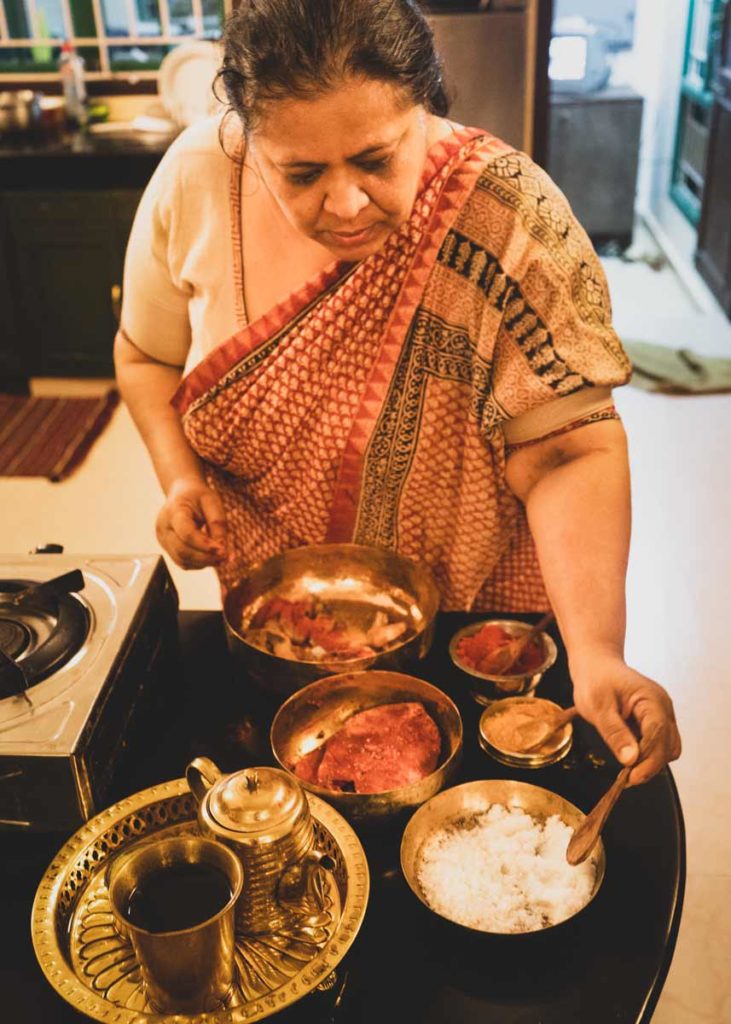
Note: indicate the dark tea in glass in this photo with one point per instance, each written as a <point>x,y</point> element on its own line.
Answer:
<point>177,896</point>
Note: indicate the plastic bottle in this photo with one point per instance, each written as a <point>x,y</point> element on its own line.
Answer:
<point>71,68</point>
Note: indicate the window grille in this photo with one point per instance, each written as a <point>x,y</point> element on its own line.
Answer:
<point>116,38</point>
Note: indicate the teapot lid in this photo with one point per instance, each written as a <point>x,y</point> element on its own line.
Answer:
<point>257,800</point>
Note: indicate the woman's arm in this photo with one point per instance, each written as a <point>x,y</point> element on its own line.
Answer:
<point>191,525</point>
<point>576,491</point>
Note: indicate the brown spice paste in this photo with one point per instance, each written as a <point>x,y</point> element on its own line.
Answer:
<point>503,728</point>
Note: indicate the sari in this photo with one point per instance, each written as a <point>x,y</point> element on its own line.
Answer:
<point>378,402</point>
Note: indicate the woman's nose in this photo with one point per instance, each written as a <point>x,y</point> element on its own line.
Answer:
<point>345,201</point>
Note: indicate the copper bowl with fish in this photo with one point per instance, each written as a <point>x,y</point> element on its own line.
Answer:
<point>313,715</point>
<point>325,609</point>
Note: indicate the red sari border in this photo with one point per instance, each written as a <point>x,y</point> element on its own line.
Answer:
<point>222,359</point>
<point>209,372</point>
<point>455,190</point>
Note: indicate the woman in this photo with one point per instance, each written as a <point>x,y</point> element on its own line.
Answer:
<point>393,332</point>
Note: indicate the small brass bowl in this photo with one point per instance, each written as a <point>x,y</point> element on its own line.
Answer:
<point>473,797</point>
<point>312,715</point>
<point>351,578</point>
<point>555,750</point>
<point>487,688</point>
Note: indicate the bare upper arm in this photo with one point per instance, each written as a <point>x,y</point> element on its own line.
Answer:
<point>126,353</point>
<point>527,466</point>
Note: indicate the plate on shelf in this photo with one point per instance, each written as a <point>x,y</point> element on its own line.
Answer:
<point>185,81</point>
<point>94,968</point>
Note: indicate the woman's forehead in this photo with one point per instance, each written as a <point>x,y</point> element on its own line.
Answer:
<point>335,125</point>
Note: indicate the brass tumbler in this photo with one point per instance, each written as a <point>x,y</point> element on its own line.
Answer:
<point>189,970</point>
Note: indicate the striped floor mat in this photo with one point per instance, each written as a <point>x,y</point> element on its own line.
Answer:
<point>49,436</point>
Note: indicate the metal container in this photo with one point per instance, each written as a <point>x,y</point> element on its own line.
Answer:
<point>355,580</point>
<point>471,798</point>
<point>312,715</point>
<point>487,688</point>
<point>555,750</point>
<point>263,815</point>
<point>188,970</point>
<point>93,967</point>
<point>20,111</point>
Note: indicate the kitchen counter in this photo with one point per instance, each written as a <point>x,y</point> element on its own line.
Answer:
<point>81,160</point>
<point>607,965</point>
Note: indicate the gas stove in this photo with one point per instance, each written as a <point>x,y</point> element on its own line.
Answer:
<point>79,672</point>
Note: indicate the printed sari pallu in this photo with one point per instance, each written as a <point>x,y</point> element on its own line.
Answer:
<point>378,403</point>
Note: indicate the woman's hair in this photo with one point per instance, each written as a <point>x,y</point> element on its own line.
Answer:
<point>277,49</point>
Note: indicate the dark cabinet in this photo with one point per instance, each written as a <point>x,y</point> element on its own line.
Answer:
<point>593,156</point>
<point>63,256</point>
<point>13,371</point>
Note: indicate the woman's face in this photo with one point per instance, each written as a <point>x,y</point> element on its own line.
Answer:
<point>344,167</point>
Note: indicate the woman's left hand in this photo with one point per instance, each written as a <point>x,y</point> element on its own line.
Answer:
<point>633,714</point>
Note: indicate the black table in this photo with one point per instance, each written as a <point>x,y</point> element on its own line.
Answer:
<point>607,965</point>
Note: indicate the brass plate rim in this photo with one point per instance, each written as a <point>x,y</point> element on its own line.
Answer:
<point>61,977</point>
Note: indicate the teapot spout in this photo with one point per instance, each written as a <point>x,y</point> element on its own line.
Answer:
<point>201,774</point>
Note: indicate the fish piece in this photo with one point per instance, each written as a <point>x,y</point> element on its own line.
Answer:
<point>307,766</point>
<point>382,748</point>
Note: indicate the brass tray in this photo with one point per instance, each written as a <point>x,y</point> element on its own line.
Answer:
<point>94,968</point>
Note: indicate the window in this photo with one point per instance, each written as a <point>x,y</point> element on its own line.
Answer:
<point>702,50</point>
<point>122,38</point>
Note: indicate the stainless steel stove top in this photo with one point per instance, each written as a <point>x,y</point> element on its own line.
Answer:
<point>58,722</point>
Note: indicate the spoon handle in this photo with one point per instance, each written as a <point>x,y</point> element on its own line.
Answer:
<point>566,716</point>
<point>505,657</point>
<point>584,838</point>
<point>538,628</point>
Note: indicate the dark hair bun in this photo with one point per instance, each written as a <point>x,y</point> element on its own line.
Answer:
<point>297,48</point>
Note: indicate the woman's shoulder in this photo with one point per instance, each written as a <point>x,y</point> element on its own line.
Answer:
<point>202,152</point>
<point>516,208</point>
<point>523,190</point>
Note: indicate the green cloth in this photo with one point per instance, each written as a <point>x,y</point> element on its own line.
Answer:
<point>677,371</point>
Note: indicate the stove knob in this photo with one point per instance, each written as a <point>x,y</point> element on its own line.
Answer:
<point>48,549</point>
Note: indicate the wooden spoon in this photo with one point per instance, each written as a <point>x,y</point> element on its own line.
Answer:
<point>584,838</point>
<point>532,735</point>
<point>503,659</point>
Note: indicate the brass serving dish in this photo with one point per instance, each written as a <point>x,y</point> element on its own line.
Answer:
<point>94,969</point>
<point>471,798</point>
<point>352,579</point>
<point>312,715</point>
<point>486,688</point>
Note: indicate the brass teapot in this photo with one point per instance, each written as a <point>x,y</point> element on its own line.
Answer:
<point>263,815</point>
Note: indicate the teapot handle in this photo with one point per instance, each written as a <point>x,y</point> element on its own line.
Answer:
<point>298,882</point>
<point>200,775</point>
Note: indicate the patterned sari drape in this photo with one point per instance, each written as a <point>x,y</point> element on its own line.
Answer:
<point>363,408</point>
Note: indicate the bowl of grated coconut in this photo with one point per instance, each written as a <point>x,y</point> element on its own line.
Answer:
<point>490,856</point>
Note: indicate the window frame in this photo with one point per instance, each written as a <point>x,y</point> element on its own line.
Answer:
<point>105,81</point>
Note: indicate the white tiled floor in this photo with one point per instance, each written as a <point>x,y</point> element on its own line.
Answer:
<point>678,587</point>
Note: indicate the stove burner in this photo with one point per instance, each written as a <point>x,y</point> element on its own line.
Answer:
<point>39,636</point>
<point>15,637</point>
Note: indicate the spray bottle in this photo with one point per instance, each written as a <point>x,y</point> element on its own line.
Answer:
<point>71,68</point>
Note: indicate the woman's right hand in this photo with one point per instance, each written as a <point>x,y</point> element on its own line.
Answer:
<point>191,525</point>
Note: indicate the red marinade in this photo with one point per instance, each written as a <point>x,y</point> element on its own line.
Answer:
<point>476,651</point>
<point>383,748</point>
